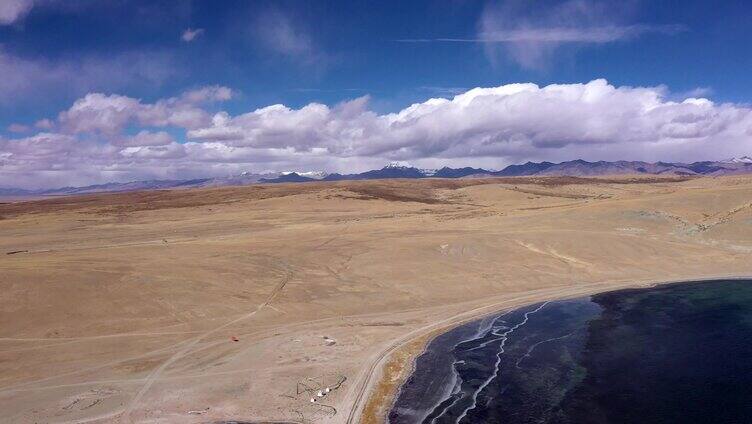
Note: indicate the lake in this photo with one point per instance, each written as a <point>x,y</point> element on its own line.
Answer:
<point>678,353</point>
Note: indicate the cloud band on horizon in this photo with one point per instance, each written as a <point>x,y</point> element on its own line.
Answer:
<point>115,138</point>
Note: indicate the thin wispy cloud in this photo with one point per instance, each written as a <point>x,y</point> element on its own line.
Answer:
<point>512,31</point>
<point>509,30</point>
<point>191,34</point>
<point>606,34</point>
<point>23,78</point>
<point>327,90</point>
<point>18,128</point>
<point>696,92</point>
<point>442,91</point>
<point>280,34</point>
<point>12,11</point>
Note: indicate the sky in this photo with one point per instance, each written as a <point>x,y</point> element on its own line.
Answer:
<point>94,91</point>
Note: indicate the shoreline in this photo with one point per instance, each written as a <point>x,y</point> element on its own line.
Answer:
<point>399,361</point>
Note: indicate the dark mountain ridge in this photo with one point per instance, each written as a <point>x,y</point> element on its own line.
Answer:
<point>575,168</point>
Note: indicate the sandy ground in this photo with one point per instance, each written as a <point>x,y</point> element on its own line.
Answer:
<point>241,303</point>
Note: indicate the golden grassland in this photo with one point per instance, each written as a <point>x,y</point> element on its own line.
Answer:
<point>241,303</point>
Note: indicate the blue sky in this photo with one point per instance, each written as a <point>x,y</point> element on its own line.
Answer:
<point>55,53</point>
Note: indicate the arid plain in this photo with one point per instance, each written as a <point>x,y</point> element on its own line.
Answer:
<point>211,305</point>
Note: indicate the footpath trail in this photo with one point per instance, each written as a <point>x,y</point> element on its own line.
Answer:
<point>156,374</point>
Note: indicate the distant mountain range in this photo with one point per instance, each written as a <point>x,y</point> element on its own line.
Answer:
<point>733,166</point>
<point>243,179</point>
<point>742,165</point>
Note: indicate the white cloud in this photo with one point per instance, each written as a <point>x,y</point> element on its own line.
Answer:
<point>191,34</point>
<point>109,114</point>
<point>12,11</point>
<point>99,112</point>
<point>488,127</point>
<point>44,124</point>
<point>147,138</point>
<point>169,151</point>
<point>507,121</point>
<point>39,145</point>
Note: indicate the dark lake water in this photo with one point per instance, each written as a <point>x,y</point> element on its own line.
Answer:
<point>679,353</point>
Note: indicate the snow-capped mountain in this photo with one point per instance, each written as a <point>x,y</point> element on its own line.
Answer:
<point>403,166</point>
<point>398,165</point>
<point>741,159</point>
<point>316,175</point>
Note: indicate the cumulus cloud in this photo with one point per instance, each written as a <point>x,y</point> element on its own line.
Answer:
<point>191,34</point>
<point>148,138</point>
<point>488,127</point>
<point>41,145</point>
<point>169,151</point>
<point>109,114</point>
<point>500,121</point>
<point>12,11</point>
<point>44,124</point>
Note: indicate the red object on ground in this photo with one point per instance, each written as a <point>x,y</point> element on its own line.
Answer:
<point>235,339</point>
